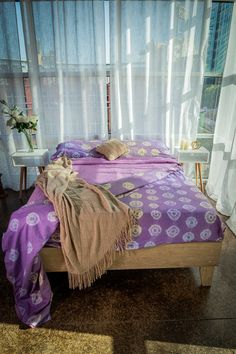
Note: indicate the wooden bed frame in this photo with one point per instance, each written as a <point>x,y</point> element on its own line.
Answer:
<point>204,255</point>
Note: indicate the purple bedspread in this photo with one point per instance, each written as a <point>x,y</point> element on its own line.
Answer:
<point>169,209</point>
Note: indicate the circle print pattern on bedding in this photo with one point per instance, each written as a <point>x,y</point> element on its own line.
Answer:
<point>179,191</point>
<point>153,205</point>
<point>136,203</point>
<point>164,188</point>
<point>14,224</point>
<point>131,143</point>
<point>210,217</point>
<point>168,195</point>
<point>152,197</point>
<point>32,219</point>
<point>136,230</point>
<point>188,237</point>
<point>13,255</point>
<point>128,185</point>
<point>36,298</point>
<point>151,191</point>
<point>189,207</point>
<point>200,196</point>
<point>206,205</point>
<point>132,245</point>
<point>173,231</point>
<point>106,186</point>
<point>155,152</point>
<point>205,234</point>
<point>170,203</point>
<point>29,247</point>
<point>137,213</point>
<point>156,214</point>
<point>154,230</point>
<point>142,152</point>
<point>69,145</point>
<point>52,216</point>
<point>185,200</point>
<point>139,174</point>
<point>174,214</point>
<point>149,244</point>
<point>146,143</point>
<point>191,222</point>
<point>136,195</point>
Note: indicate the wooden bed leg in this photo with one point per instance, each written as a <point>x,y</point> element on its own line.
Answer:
<point>206,274</point>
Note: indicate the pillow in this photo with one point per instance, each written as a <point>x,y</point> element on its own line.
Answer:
<point>70,153</point>
<point>112,149</point>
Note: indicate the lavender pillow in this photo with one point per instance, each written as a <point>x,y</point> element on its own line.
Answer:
<point>75,149</point>
<point>70,153</point>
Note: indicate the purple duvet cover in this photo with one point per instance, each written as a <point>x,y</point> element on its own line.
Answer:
<point>169,209</point>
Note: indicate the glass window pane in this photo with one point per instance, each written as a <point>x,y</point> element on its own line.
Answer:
<point>218,36</point>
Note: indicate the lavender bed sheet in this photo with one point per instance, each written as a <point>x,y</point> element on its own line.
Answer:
<point>169,209</point>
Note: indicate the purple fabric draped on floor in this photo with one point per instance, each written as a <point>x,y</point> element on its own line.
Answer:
<point>169,209</point>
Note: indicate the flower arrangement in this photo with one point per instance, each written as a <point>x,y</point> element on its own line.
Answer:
<point>18,120</point>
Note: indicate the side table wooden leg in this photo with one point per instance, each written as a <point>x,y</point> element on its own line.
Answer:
<point>200,176</point>
<point>21,180</point>
<point>196,173</point>
<point>25,178</point>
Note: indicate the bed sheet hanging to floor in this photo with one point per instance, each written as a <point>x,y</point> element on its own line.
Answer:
<point>169,209</point>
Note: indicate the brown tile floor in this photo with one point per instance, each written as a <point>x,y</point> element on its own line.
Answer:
<point>149,311</point>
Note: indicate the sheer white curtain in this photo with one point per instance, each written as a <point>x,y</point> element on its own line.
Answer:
<point>65,43</point>
<point>157,51</point>
<point>66,65</point>
<point>11,89</point>
<point>221,184</point>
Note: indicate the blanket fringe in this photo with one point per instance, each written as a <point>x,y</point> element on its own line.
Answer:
<point>86,279</point>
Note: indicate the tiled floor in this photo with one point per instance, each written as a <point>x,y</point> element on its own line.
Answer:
<point>149,311</point>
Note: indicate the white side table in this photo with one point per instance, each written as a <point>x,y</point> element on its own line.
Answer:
<point>197,156</point>
<point>23,159</point>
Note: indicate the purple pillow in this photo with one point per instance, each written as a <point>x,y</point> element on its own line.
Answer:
<point>70,153</point>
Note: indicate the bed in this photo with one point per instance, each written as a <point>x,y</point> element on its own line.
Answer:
<point>177,226</point>
<point>202,254</point>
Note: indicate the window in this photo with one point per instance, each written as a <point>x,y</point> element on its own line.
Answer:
<point>216,53</point>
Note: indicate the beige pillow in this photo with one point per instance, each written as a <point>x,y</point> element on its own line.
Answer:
<point>112,149</point>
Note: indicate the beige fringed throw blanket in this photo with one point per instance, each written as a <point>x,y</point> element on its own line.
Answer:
<point>93,223</point>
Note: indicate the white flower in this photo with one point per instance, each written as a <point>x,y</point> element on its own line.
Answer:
<point>33,119</point>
